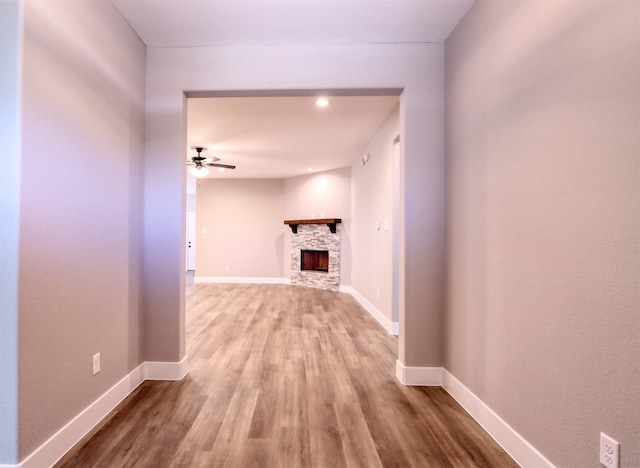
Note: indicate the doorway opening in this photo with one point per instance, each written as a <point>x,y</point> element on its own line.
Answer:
<point>222,222</point>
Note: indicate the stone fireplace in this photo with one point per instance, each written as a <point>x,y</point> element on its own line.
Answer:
<point>315,253</point>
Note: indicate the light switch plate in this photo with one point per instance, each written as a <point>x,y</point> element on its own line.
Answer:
<point>96,363</point>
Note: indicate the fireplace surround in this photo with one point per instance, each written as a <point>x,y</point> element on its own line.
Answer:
<point>319,241</point>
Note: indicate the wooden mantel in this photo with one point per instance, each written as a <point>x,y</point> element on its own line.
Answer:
<point>331,222</point>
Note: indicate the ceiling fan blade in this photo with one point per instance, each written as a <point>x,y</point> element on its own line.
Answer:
<point>224,166</point>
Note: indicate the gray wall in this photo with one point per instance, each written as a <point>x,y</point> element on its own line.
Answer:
<point>80,213</point>
<point>244,230</point>
<point>244,221</point>
<point>10,56</point>
<point>543,147</point>
<point>372,201</point>
<point>321,195</point>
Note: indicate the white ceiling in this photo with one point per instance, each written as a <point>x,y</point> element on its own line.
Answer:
<point>197,23</point>
<point>279,137</point>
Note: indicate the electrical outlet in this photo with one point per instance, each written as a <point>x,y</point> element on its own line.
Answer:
<point>96,363</point>
<point>609,451</point>
<point>377,294</point>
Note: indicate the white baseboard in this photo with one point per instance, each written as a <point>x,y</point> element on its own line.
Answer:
<point>419,376</point>
<point>165,370</point>
<point>62,441</point>
<point>240,280</point>
<point>391,327</point>
<point>513,443</point>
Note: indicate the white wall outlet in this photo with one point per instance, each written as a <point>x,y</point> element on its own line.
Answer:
<point>609,451</point>
<point>96,363</point>
<point>386,224</point>
<point>377,294</point>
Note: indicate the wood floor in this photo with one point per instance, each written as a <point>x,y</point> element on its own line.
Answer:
<point>284,376</point>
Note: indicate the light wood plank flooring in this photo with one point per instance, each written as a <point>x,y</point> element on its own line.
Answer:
<point>284,376</point>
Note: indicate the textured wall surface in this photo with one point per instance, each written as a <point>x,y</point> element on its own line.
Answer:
<point>243,219</point>
<point>80,218</point>
<point>372,203</point>
<point>239,227</point>
<point>543,150</point>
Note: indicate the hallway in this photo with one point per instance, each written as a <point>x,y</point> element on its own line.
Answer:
<point>287,376</point>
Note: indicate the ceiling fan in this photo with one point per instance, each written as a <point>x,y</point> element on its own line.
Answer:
<point>200,163</point>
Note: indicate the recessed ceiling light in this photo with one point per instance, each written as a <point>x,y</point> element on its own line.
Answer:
<point>309,169</point>
<point>221,169</point>
<point>322,102</point>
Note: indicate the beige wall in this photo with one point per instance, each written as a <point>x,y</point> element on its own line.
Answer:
<point>322,195</point>
<point>243,220</point>
<point>543,147</point>
<point>80,218</point>
<point>372,202</point>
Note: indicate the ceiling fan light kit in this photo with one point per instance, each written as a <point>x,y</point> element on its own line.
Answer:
<point>198,171</point>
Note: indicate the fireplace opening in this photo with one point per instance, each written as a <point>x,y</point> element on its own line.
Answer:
<point>314,260</point>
